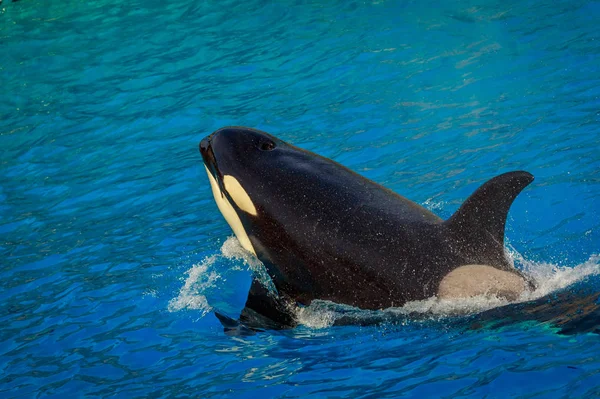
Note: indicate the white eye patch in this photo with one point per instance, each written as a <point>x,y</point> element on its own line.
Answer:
<point>238,194</point>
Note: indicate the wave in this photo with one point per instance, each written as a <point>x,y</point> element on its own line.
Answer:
<point>204,277</point>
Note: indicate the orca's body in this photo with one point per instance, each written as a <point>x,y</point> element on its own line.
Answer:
<point>325,232</point>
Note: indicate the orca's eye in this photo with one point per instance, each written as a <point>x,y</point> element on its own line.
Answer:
<point>266,145</point>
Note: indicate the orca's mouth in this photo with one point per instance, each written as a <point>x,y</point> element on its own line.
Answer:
<point>210,161</point>
<point>206,150</point>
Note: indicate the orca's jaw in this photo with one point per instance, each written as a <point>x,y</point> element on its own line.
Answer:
<point>223,198</point>
<point>230,214</point>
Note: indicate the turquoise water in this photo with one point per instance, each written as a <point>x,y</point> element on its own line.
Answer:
<point>114,255</point>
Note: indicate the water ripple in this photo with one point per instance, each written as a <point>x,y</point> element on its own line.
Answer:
<point>104,207</point>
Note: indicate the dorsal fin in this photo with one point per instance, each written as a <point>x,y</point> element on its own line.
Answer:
<point>478,225</point>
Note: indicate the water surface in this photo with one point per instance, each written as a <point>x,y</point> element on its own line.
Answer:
<point>106,212</point>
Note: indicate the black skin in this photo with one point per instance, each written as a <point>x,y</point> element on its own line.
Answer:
<point>325,232</point>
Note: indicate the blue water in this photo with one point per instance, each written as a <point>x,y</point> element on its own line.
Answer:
<point>114,256</point>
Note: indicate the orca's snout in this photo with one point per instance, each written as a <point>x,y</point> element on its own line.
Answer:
<point>207,152</point>
<point>205,144</point>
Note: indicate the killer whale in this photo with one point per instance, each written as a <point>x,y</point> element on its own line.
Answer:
<point>325,232</point>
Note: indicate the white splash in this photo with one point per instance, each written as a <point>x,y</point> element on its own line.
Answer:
<point>191,294</point>
<point>320,314</point>
<point>232,249</point>
<point>203,277</point>
<point>547,277</point>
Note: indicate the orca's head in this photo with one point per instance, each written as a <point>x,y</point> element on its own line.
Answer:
<point>237,160</point>
<point>239,152</point>
<point>267,190</point>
